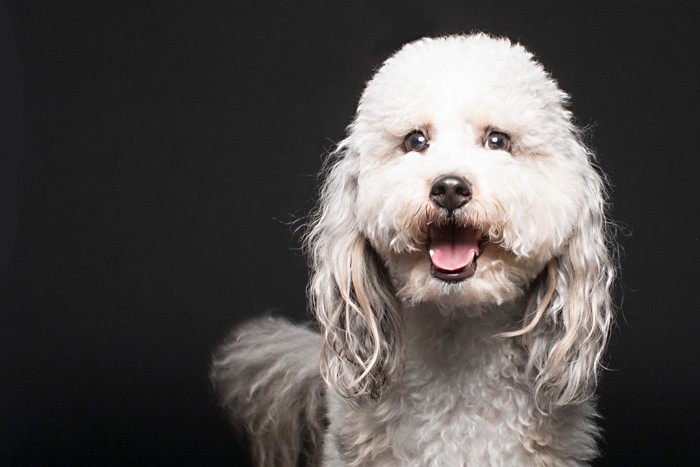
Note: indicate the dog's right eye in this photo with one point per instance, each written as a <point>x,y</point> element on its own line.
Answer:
<point>416,141</point>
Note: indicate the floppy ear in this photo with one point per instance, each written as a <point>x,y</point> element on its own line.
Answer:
<point>571,311</point>
<point>349,291</point>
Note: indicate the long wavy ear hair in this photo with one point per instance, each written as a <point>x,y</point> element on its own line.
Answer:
<point>570,312</point>
<point>349,291</point>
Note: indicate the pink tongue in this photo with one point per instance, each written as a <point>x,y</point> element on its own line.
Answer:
<point>452,248</point>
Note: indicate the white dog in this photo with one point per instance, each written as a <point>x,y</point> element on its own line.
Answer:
<point>461,279</point>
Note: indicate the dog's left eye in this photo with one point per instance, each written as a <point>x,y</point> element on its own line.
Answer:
<point>497,140</point>
<point>416,141</point>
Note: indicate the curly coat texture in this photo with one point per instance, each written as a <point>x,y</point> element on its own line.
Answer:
<point>495,369</point>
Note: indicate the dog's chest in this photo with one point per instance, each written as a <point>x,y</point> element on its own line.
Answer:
<point>468,409</point>
<point>461,414</point>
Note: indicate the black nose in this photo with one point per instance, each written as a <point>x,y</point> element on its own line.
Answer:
<point>451,192</point>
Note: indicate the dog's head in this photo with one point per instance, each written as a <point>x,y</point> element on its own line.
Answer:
<point>462,182</point>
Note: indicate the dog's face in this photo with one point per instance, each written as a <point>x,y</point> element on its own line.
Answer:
<point>462,176</point>
<point>467,183</point>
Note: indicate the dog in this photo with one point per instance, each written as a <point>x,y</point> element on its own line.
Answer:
<point>461,273</point>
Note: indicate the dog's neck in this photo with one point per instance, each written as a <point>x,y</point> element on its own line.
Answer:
<point>436,335</point>
<point>427,317</point>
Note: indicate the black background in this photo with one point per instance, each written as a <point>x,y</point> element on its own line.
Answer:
<point>158,155</point>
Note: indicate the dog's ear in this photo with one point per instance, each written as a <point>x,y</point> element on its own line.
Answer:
<point>571,311</point>
<point>349,290</point>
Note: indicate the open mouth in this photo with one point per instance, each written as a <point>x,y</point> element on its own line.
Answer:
<point>454,250</point>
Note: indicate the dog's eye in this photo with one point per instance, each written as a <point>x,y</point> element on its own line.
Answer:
<point>497,141</point>
<point>415,141</point>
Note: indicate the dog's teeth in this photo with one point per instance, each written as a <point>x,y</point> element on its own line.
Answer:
<point>432,252</point>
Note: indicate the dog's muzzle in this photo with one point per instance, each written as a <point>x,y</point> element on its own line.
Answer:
<point>453,247</point>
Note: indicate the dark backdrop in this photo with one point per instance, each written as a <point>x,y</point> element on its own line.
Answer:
<point>158,155</point>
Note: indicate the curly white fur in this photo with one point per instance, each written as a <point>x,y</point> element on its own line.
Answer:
<point>495,369</point>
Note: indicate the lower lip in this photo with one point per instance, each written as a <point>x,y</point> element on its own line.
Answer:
<point>453,276</point>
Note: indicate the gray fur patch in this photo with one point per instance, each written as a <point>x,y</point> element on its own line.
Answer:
<point>267,376</point>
